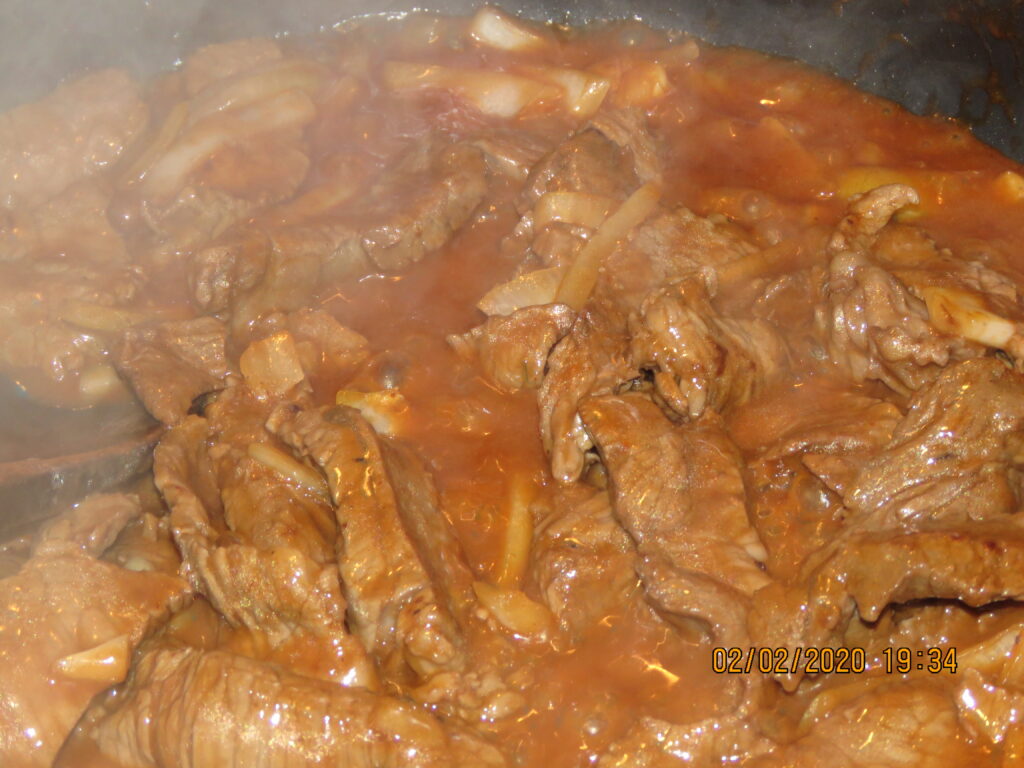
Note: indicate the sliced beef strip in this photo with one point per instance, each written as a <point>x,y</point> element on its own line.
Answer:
<point>76,131</point>
<point>513,349</point>
<point>898,724</point>
<point>596,358</point>
<point>699,358</point>
<point>679,492</point>
<point>591,360</point>
<point>170,364</point>
<point>405,577</point>
<point>628,129</point>
<point>256,544</point>
<point>409,587</point>
<point>61,615</point>
<point>414,209</point>
<point>875,327</point>
<point>582,560</point>
<point>587,162</point>
<point>186,708</point>
<point>976,563</point>
<point>804,441</point>
<point>813,414</point>
<point>953,457</point>
<point>89,527</point>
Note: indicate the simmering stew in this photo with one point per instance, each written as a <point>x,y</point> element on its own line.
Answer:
<point>533,396</point>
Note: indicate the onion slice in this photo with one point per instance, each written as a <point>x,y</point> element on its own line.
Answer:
<point>577,208</point>
<point>494,93</point>
<point>289,468</point>
<point>495,28</point>
<point>515,551</point>
<point>529,289</point>
<point>581,278</point>
<point>583,92</point>
<point>259,84</point>
<point>292,109</point>
<point>965,314</point>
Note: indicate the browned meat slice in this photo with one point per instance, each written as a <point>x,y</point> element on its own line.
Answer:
<point>815,414</point>
<point>897,724</point>
<point>414,209</point>
<point>582,560</point>
<point>76,131</point>
<point>628,129</point>
<point>513,349</point>
<point>66,286</point>
<point>977,564</point>
<point>68,626</point>
<point>171,364</point>
<point>587,162</point>
<point>512,154</point>
<point>590,360</point>
<point>679,492</point>
<point>596,357</point>
<point>407,583</point>
<point>89,527</point>
<point>804,441</point>
<point>875,327</point>
<point>257,536</point>
<point>699,358</point>
<point>955,456</point>
<point>184,708</point>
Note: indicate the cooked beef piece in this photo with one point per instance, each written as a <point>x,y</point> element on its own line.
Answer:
<point>185,708</point>
<point>409,587</point>
<point>414,209</point>
<point>76,131</point>
<point>170,364</point>
<point>861,574</point>
<point>699,358</point>
<point>953,457</point>
<point>258,544</point>
<point>89,527</point>
<point>590,360</point>
<point>596,358</point>
<point>793,511</point>
<point>890,724</point>
<point>68,626</point>
<point>679,492</point>
<point>403,571</point>
<point>513,349</point>
<point>582,560</point>
<point>65,285</point>
<point>815,414</point>
<point>586,162</point>
<point>628,128</point>
<point>513,153</point>
<point>804,441</point>
<point>875,327</point>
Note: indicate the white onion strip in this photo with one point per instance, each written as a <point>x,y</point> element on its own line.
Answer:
<point>581,278</point>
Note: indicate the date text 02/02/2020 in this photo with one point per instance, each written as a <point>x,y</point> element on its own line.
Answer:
<point>781,661</point>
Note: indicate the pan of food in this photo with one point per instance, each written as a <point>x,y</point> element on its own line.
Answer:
<point>558,384</point>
